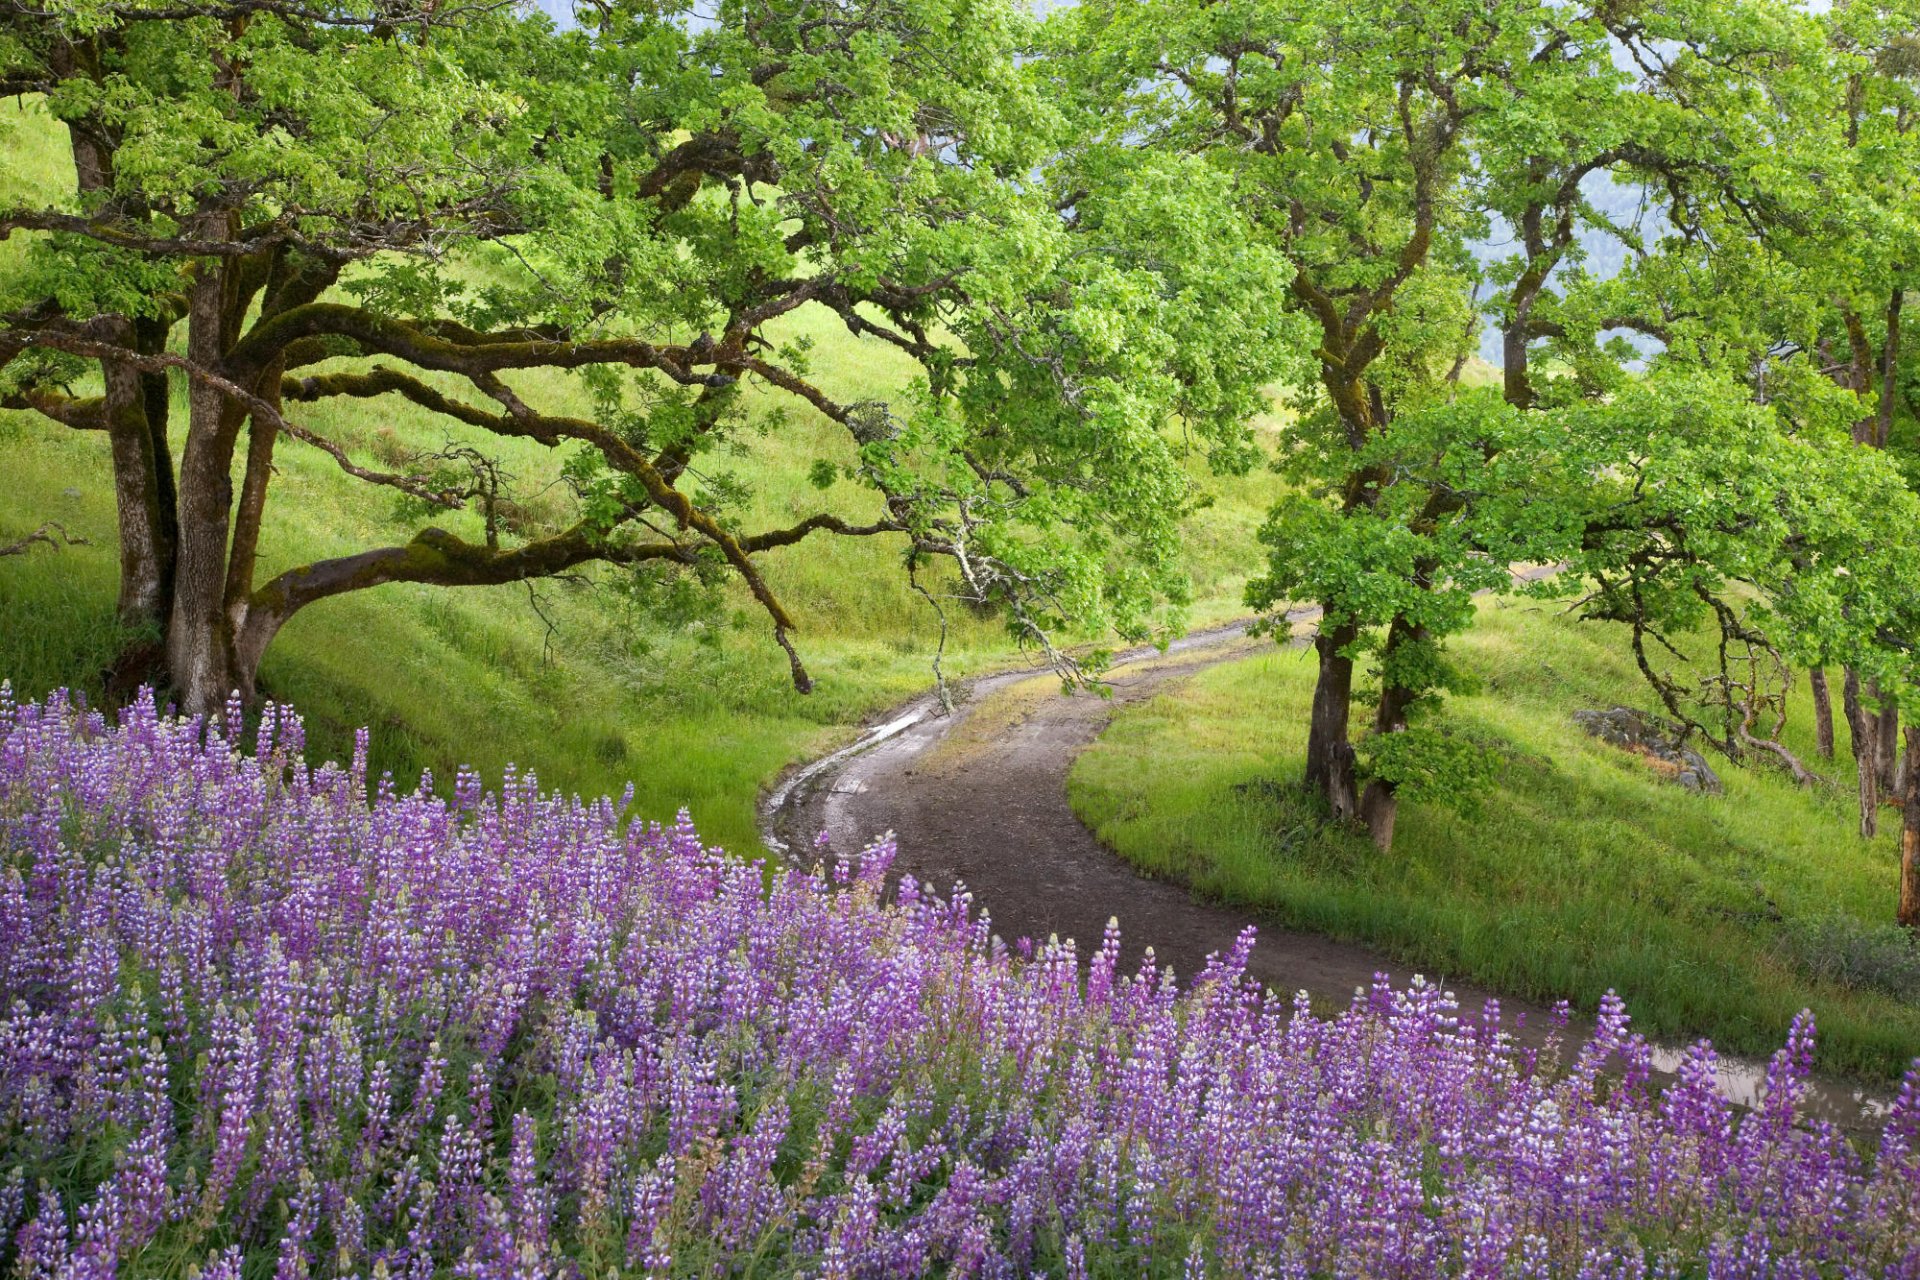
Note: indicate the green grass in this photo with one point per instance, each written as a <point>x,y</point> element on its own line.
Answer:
<point>700,715</point>
<point>1580,872</point>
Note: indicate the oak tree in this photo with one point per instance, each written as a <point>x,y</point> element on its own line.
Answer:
<point>281,204</point>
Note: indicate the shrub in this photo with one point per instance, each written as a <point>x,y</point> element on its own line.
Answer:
<point>256,1020</point>
<point>1852,953</point>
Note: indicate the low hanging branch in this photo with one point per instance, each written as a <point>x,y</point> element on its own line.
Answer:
<point>1742,702</point>
<point>1745,701</point>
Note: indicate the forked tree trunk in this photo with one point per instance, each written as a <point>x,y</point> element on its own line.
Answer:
<point>1863,724</point>
<point>200,651</point>
<point>1329,751</point>
<point>1909,913</point>
<point>1822,712</point>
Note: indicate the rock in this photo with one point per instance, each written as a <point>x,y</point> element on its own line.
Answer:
<point>1702,776</point>
<point>1654,738</point>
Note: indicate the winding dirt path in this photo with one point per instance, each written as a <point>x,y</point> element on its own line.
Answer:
<point>978,797</point>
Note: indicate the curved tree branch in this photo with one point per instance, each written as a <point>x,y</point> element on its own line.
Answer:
<point>21,546</point>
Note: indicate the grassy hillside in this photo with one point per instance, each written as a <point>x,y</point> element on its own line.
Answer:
<point>1580,871</point>
<point>701,715</point>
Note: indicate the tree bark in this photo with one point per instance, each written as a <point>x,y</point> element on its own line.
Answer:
<point>1863,725</point>
<point>136,429</point>
<point>200,655</point>
<point>1380,804</point>
<point>1379,810</point>
<point>1909,910</point>
<point>142,501</point>
<point>250,515</point>
<point>1860,369</point>
<point>1822,712</point>
<point>1516,377</point>
<point>1886,749</point>
<point>1889,369</point>
<point>1329,752</point>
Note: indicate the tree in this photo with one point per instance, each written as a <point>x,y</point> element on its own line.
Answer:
<point>1778,285</point>
<point>1419,166</point>
<point>1373,145</point>
<point>1804,284</point>
<point>1341,129</point>
<point>1869,266</point>
<point>280,204</point>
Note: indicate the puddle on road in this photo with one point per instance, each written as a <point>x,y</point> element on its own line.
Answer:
<point>1743,1082</point>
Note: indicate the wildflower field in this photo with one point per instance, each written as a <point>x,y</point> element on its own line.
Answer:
<point>262,1018</point>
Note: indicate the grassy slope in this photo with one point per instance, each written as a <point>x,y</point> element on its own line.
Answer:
<point>1582,871</point>
<point>701,717</point>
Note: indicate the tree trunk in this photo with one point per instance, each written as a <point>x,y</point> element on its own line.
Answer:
<point>147,526</point>
<point>1860,371</point>
<point>1886,749</point>
<point>1822,712</point>
<point>1329,752</point>
<point>1909,912</point>
<point>1907,763</point>
<point>1380,804</point>
<point>1379,809</point>
<point>200,653</point>
<point>136,421</point>
<point>1863,724</point>
<point>1516,378</point>
<point>251,513</point>
<point>1889,368</point>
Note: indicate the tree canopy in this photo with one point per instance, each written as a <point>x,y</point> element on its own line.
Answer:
<point>280,204</point>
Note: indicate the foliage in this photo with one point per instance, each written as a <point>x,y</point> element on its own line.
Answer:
<point>1426,763</point>
<point>703,704</point>
<point>348,201</point>
<point>1427,171</point>
<point>257,1020</point>
<point>1681,502</point>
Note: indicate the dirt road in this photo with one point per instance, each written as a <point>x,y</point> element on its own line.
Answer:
<point>979,797</point>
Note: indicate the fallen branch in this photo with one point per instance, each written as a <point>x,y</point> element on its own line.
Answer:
<point>26,544</point>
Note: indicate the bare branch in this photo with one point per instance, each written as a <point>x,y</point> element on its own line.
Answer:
<point>21,546</point>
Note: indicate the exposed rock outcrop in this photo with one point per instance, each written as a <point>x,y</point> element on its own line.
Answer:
<point>1655,739</point>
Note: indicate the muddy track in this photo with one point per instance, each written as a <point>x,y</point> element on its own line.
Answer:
<point>978,797</point>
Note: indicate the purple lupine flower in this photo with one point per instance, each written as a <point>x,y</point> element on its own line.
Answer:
<point>519,1035</point>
